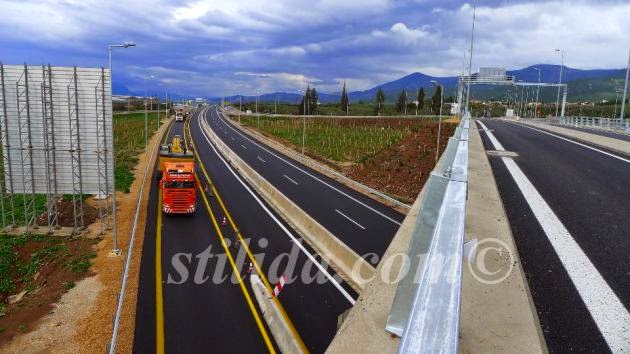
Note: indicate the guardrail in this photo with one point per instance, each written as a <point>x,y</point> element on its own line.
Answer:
<point>425,313</point>
<point>596,123</point>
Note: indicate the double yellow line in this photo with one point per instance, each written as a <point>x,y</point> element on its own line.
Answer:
<point>250,255</point>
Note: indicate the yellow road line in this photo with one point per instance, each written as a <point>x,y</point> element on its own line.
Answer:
<point>159,302</point>
<point>259,270</point>
<point>248,298</point>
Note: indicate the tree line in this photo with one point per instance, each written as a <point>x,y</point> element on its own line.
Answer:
<point>309,104</point>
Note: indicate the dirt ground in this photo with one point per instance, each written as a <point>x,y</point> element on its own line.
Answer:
<point>402,168</point>
<point>81,321</point>
<point>59,264</point>
<point>65,212</point>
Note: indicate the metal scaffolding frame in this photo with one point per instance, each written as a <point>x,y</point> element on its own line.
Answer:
<point>26,148</point>
<point>55,139</point>
<point>49,149</point>
<point>101,152</point>
<point>6,179</point>
<point>75,153</point>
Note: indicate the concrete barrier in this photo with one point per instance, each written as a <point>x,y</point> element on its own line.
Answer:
<point>352,267</point>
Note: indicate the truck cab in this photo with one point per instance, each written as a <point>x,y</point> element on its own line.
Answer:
<point>179,188</point>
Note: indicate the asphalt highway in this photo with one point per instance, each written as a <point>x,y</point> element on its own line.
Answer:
<point>363,224</point>
<point>196,318</point>
<point>216,316</point>
<point>568,208</point>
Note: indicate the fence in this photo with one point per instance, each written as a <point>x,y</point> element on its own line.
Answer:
<point>425,313</point>
<point>596,123</point>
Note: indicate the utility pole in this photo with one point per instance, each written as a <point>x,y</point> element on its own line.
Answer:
<point>625,91</point>
<point>240,107</point>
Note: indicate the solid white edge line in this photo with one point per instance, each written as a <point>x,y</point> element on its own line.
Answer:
<point>290,179</point>
<point>572,141</point>
<point>347,217</point>
<point>309,174</point>
<point>286,231</point>
<point>610,315</point>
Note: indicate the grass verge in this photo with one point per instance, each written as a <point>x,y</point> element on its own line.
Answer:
<point>128,143</point>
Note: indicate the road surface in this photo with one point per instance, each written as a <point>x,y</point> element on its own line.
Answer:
<point>568,208</point>
<point>216,316</point>
<point>360,222</point>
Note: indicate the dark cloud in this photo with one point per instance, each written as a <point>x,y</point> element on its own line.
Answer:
<point>217,47</point>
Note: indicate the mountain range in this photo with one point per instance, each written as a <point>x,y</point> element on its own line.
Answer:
<point>595,84</point>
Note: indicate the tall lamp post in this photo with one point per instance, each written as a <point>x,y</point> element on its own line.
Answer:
<point>560,79</point>
<point>146,114</point>
<point>115,250</point>
<point>437,150</point>
<point>257,113</point>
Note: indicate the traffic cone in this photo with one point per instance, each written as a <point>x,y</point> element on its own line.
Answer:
<point>224,222</point>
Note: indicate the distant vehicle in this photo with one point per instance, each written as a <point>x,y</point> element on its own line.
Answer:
<point>176,173</point>
<point>179,117</point>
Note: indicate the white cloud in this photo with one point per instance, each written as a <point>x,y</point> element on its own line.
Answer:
<point>267,81</point>
<point>406,34</point>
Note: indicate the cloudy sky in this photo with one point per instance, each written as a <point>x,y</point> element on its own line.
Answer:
<point>211,47</point>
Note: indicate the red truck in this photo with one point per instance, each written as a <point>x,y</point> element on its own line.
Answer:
<point>176,172</point>
<point>179,188</point>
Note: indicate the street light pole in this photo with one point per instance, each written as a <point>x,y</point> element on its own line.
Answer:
<point>257,113</point>
<point>437,149</point>
<point>115,250</point>
<point>472,41</point>
<point>560,79</point>
<point>625,91</point>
